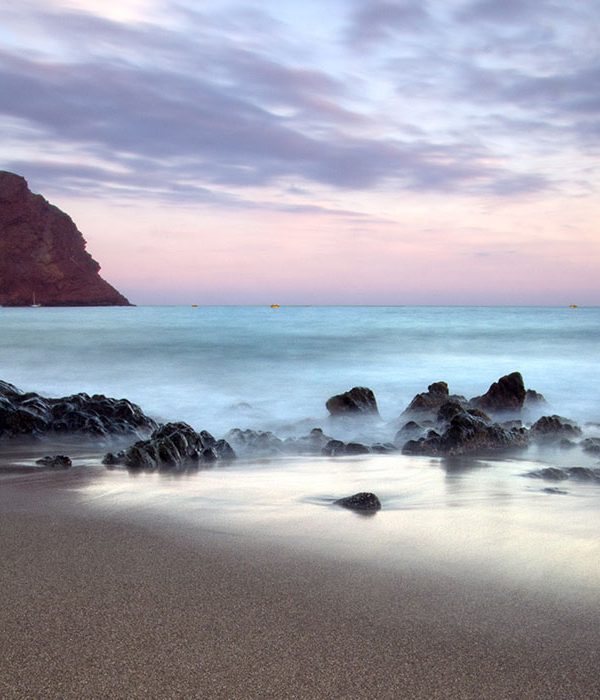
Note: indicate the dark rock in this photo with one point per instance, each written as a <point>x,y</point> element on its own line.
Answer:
<point>467,434</point>
<point>591,445</point>
<point>553,428</point>
<point>554,490</point>
<point>409,431</point>
<point>8,390</point>
<point>42,254</point>
<point>255,443</point>
<point>549,474</point>
<point>32,414</point>
<point>311,444</point>
<point>55,462</point>
<point>505,395</point>
<point>430,401</point>
<point>363,501</point>
<point>566,444</point>
<point>383,448</point>
<point>334,448</point>
<point>448,410</point>
<point>358,400</point>
<point>584,474</point>
<point>510,424</point>
<point>557,474</point>
<point>533,399</point>
<point>172,446</point>
<point>356,448</point>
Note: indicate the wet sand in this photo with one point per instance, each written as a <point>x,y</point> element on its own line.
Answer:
<point>100,603</point>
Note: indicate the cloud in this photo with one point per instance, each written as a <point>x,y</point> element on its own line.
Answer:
<point>374,21</point>
<point>199,108</point>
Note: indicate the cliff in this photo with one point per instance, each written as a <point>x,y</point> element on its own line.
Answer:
<point>43,255</point>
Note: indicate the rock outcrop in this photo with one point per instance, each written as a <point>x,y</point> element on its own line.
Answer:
<point>554,428</point>
<point>173,446</point>
<point>43,259</point>
<point>358,401</point>
<point>464,433</point>
<point>29,414</point>
<point>507,395</point>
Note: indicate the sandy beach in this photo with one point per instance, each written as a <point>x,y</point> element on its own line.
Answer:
<point>102,603</point>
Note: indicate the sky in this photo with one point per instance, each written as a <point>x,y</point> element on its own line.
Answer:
<point>315,152</point>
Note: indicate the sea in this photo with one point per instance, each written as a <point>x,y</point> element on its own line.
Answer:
<point>223,367</point>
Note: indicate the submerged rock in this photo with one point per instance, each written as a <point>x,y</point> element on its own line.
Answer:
<point>549,474</point>
<point>311,444</point>
<point>562,474</point>
<point>55,462</point>
<point>32,414</point>
<point>172,446</point>
<point>357,401</point>
<point>363,501</point>
<point>337,448</point>
<point>255,443</point>
<point>554,428</point>
<point>591,445</point>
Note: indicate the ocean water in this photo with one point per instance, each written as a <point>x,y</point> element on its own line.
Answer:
<point>224,367</point>
<point>262,368</point>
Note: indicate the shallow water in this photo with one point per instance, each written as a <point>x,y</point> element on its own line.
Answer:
<point>224,367</point>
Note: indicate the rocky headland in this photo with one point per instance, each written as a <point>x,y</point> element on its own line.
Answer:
<point>43,259</point>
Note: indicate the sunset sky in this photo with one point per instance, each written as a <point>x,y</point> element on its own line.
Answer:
<point>315,151</point>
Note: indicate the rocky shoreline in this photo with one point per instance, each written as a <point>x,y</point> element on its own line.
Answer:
<point>505,420</point>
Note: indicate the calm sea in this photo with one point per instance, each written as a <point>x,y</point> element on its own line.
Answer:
<point>224,367</point>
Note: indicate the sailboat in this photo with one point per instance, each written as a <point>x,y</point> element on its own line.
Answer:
<point>33,304</point>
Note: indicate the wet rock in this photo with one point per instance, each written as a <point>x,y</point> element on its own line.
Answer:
<point>311,444</point>
<point>504,396</point>
<point>337,448</point>
<point>591,445</point>
<point>533,399</point>
<point>255,443</point>
<point>509,424</point>
<point>383,448</point>
<point>549,474</point>
<point>554,428</point>
<point>561,474</point>
<point>430,401</point>
<point>584,474</point>
<point>566,444</point>
<point>333,448</point>
<point>555,491</point>
<point>356,448</point>
<point>363,501</point>
<point>55,462</point>
<point>467,434</point>
<point>8,390</point>
<point>452,408</point>
<point>357,401</point>
<point>409,431</point>
<point>32,414</point>
<point>172,446</point>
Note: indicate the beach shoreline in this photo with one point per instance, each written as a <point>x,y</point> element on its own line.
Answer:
<point>108,602</point>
